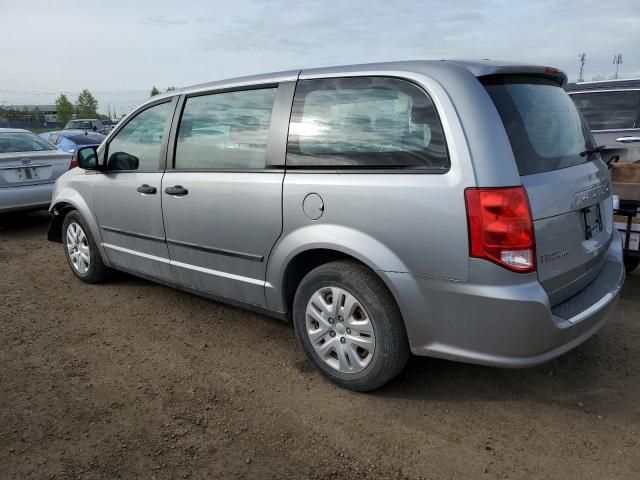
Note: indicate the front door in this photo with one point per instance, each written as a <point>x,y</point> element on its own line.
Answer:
<point>222,200</point>
<point>127,195</point>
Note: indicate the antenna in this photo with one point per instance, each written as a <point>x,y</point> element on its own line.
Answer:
<point>582,57</point>
<point>617,60</point>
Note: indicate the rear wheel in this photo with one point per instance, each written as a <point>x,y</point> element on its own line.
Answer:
<point>80,249</point>
<point>349,326</point>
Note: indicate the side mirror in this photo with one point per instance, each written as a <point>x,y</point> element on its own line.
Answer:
<point>87,158</point>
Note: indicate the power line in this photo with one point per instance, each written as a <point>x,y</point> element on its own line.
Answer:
<point>97,92</point>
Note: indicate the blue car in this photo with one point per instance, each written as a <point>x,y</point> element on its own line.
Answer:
<point>71,140</point>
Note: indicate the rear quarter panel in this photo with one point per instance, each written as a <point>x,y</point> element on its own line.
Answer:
<point>399,221</point>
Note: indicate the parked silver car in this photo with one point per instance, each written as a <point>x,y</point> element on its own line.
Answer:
<point>29,166</point>
<point>612,110</point>
<point>449,209</point>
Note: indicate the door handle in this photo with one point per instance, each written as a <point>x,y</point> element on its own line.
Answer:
<point>144,188</point>
<point>176,191</point>
<point>628,139</point>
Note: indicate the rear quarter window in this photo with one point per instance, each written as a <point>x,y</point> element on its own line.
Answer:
<point>545,129</point>
<point>365,122</point>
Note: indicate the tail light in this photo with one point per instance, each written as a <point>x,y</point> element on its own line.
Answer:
<point>74,163</point>
<point>501,227</point>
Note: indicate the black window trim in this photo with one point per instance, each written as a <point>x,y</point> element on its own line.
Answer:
<point>284,98</point>
<point>103,156</point>
<point>636,125</point>
<point>355,169</point>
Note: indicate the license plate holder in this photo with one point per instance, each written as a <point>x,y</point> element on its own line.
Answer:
<point>592,221</point>
<point>27,173</point>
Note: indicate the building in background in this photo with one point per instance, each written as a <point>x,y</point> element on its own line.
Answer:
<point>28,116</point>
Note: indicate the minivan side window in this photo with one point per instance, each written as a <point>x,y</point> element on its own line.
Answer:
<point>227,130</point>
<point>365,122</point>
<point>609,110</point>
<point>138,144</point>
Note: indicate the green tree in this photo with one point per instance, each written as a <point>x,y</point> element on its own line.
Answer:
<point>154,91</point>
<point>64,109</point>
<point>86,104</point>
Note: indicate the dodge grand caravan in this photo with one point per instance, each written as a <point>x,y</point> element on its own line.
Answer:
<point>450,209</point>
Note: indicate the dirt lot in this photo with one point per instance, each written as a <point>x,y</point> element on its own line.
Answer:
<point>133,380</point>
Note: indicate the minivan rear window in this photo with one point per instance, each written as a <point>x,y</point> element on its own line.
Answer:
<point>545,129</point>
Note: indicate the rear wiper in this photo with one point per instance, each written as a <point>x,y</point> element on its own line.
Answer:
<point>591,151</point>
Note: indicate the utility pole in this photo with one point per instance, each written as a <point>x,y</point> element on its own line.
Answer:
<point>617,60</point>
<point>582,57</point>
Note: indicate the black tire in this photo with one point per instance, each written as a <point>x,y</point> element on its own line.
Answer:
<point>391,346</point>
<point>631,263</point>
<point>96,271</point>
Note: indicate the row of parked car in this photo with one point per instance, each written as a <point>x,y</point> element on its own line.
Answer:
<point>611,108</point>
<point>449,209</point>
<point>30,164</point>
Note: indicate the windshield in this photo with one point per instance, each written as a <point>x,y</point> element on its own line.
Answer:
<point>23,142</point>
<point>545,129</point>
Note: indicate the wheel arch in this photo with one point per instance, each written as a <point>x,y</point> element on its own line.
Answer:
<point>58,213</point>
<point>305,249</point>
<point>68,200</point>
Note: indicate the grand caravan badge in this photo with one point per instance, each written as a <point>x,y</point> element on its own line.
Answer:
<point>553,256</point>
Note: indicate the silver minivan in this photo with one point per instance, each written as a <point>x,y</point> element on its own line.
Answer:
<point>450,209</point>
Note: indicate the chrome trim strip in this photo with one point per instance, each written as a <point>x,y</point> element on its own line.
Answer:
<point>188,266</point>
<point>219,251</point>
<point>132,234</point>
<point>135,252</point>
<point>605,130</point>
<point>604,90</point>
<point>218,273</point>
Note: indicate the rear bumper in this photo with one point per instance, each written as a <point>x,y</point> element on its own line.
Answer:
<point>507,324</point>
<point>25,197</point>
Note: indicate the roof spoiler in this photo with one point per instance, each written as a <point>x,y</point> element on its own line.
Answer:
<point>495,68</point>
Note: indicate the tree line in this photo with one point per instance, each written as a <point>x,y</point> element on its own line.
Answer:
<point>86,106</point>
<point>155,91</point>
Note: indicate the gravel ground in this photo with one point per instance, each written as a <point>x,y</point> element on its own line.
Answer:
<point>129,379</point>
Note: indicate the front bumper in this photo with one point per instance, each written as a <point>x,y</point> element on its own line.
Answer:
<point>25,197</point>
<point>507,324</point>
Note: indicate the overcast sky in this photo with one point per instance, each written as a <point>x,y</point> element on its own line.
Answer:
<point>119,49</point>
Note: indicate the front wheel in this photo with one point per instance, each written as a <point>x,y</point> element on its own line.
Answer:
<point>81,250</point>
<point>349,326</point>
